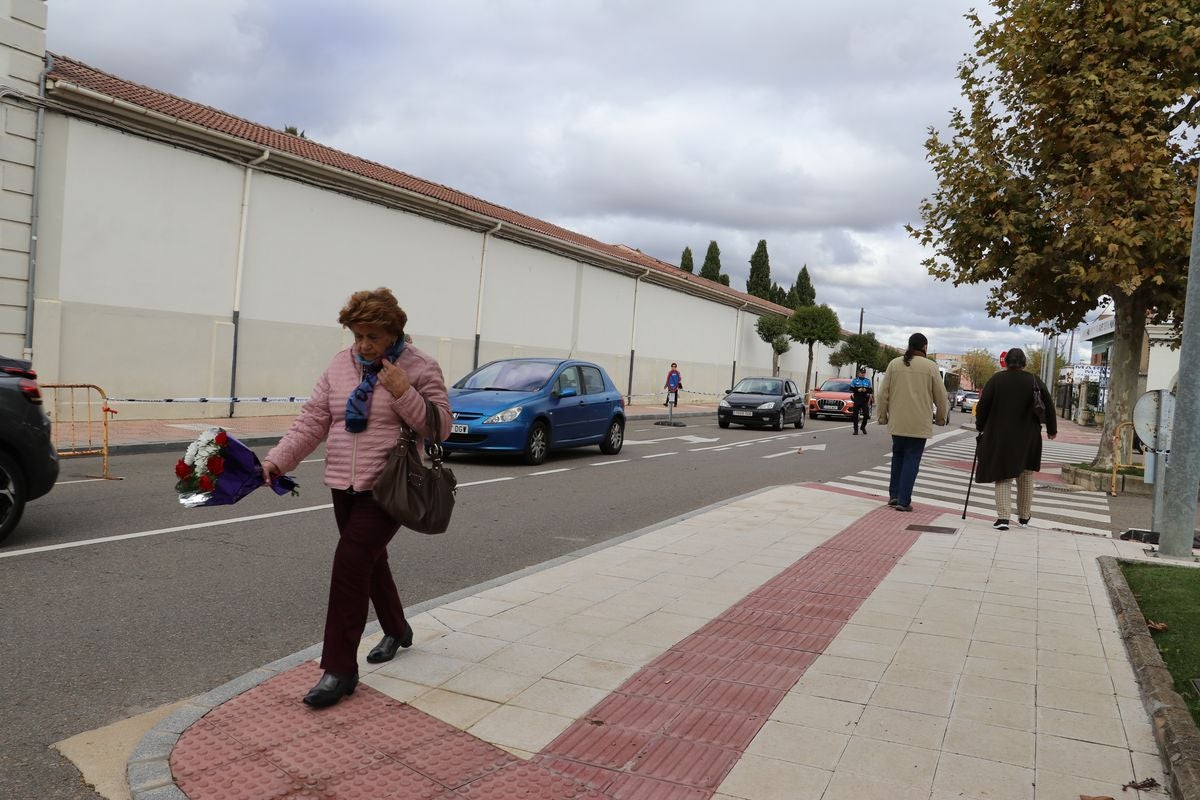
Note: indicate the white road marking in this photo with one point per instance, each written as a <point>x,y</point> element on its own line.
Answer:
<point>159,531</point>
<point>81,480</point>
<point>550,471</point>
<point>606,463</point>
<point>686,437</point>
<point>313,461</point>
<point>489,480</point>
<point>660,455</point>
<point>784,453</point>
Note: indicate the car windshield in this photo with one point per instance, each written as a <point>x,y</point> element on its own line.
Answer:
<point>509,376</point>
<point>971,396</point>
<point>759,386</point>
<point>835,386</point>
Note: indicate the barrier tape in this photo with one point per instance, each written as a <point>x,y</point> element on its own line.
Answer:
<point>681,391</point>
<point>209,400</point>
<point>302,399</point>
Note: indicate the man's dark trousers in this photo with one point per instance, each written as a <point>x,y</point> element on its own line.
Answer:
<point>862,409</point>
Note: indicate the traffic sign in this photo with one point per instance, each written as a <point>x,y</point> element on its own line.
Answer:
<point>1152,415</point>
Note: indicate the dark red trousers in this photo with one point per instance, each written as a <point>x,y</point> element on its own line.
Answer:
<point>361,576</point>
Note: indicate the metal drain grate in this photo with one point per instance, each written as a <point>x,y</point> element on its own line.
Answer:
<point>931,529</point>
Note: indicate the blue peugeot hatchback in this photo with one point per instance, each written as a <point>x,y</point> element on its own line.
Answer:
<point>534,405</point>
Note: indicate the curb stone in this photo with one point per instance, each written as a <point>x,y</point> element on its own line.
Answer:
<point>1174,729</point>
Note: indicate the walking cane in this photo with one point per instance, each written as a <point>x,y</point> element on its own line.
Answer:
<point>972,479</point>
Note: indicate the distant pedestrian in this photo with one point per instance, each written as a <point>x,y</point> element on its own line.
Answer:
<point>912,390</point>
<point>1010,439</point>
<point>673,384</point>
<point>860,396</point>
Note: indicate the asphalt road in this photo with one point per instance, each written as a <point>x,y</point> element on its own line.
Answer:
<point>104,630</point>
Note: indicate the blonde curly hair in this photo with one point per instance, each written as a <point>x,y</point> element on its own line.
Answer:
<point>374,307</point>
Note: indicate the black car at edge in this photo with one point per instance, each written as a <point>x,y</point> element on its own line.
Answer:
<point>28,460</point>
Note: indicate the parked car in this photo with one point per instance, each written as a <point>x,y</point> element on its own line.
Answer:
<point>531,406</point>
<point>833,400</point>
<point>762,401</point>
<point>968,401</point>
<point>958,397</point>
<point>28,460</point>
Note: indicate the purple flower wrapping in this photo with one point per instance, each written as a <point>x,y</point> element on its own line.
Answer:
<point>241,476</point>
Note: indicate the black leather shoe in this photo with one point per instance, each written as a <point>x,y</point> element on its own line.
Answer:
<point>893,502</point>
<point>388,645</point>
<point>903,507</point>
<point>331,688</point>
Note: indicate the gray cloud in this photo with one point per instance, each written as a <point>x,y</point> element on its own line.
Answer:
<point>658,125</point>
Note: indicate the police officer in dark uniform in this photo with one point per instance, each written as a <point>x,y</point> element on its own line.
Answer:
<point>860,394</point>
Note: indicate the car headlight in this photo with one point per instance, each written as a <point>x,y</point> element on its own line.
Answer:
<point>724,404</point>
<point>767,406</point>
<point>507,415</point>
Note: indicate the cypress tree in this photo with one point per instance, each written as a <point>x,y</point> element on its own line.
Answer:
<point>711,268</point>
<point>685,261</point>
<point>806,295</point>
<point>759,282</point>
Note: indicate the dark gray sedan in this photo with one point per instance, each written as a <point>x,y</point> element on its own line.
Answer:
<point>772,402</point>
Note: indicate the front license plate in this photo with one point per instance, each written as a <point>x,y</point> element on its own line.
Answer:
<point>743,413</point>
<point>458,428</point>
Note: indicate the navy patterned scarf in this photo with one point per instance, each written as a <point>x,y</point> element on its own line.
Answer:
<point>358,404</point>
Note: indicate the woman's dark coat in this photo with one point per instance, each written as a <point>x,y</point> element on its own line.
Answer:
<point>1011,438</point>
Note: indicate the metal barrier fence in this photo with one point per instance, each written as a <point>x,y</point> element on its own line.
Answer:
<point>80,410</point>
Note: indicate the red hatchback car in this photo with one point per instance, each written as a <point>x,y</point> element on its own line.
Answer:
<point>832,400</point>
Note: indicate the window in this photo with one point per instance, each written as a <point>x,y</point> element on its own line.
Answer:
<point>791,388</point>
<point>593,380</point>
<point>569,379</point>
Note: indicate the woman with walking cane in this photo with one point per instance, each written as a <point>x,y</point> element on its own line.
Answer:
<point>1010,436</point>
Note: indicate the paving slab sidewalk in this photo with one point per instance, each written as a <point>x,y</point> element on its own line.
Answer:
<point>795,643</point>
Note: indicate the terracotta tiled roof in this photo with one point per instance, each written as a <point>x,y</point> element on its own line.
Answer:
<point>77,73</point>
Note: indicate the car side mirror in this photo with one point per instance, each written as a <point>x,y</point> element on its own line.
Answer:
<point>568,392</point>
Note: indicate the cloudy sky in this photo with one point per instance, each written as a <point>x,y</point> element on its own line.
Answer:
<point>658,124</point>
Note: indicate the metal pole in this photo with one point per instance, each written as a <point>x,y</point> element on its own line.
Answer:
<point>1179,506</point>
<point>1160,485</point>
<point>860,319</point>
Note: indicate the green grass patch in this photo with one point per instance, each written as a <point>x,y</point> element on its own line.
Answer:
<point>1169,594</point>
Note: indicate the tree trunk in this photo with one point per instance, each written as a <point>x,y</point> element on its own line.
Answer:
<point>808,372</point>
<point>774,364</point>
<point>1123,374</point>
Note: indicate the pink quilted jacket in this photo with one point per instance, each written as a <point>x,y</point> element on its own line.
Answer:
<point>353,460</point>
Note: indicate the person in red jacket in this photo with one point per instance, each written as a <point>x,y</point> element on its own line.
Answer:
<point>361,401</point>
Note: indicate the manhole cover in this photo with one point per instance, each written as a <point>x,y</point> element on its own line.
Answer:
<point>931,529</point>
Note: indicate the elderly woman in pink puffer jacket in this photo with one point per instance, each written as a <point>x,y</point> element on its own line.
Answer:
<point>358,406</point>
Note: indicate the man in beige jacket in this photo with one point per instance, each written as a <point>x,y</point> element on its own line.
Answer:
<point>912,387</point>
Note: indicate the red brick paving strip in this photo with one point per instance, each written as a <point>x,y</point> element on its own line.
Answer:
<point>672,731</point>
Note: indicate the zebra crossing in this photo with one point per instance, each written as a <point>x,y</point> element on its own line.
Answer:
<point>944,485</point>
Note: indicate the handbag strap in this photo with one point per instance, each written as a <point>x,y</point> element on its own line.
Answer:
<point>434,448</point>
